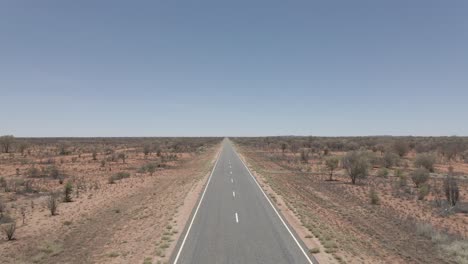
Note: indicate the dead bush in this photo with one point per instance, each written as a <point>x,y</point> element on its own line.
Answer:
<point>9,230</point>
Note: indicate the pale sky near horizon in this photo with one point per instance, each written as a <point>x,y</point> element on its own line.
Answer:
<point>233,68</point>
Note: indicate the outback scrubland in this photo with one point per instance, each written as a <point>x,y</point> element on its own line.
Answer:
<point>369,199</point>
<point>97,200</point>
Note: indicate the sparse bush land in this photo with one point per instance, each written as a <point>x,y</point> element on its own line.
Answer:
<point>436,166</point>
<point>40,177</point>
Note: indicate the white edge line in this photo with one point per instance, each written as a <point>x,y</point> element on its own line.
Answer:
<point>198,207</point>
<point>284,223</point>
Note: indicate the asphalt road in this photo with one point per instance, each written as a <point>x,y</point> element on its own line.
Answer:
<point>234,222</point>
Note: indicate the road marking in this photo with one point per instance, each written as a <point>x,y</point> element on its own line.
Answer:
<point>230,167</point>
<point>284,223</point>
<point>234,194</point>
<point>196,210</point>
<point>231,172</point>
<point>237,218</point>
<point>232,181</point>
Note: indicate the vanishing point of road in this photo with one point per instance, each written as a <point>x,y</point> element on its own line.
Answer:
<point>234,222</point>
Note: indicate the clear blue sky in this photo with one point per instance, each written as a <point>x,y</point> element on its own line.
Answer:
<point>233,68</point>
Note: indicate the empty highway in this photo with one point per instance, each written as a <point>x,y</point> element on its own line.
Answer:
<point>234,222</point>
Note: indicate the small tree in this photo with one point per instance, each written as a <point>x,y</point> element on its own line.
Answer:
<point>425,160</point>
<point>122,157</point>
<point>401,147</point>
<point>420,176</point>
<point>63,148</point>
<point>94,154</point>
<point>452,193</point>
<point>304,156</point>
<point>284,146</point>
<point>9,230</point>
<point>356,165</point>
<point>52,204</point>
<point>146,150</point>
<point>67,192</point>
<point>22,147</point>
<point>6,142</point>
<point>332,164</point>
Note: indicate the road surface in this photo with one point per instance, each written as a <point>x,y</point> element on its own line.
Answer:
<point>234,222</point>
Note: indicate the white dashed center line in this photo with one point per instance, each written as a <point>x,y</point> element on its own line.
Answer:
<point>237,218</point>
<point>234,194</point>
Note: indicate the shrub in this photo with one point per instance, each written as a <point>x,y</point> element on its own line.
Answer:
<point>401,147</point>
<point>423,191</point>
<point>94,155</point>
<point>67,192</point>
<point>315,250</point>
<point>9,230</point>
<point>383,173</point>
<point>452,193</point>
<point>374,197</point>
<point>118,176</point>
<point>111,179</point>
<point>425,160</point>
<point>53,172</point>
<point>390,159</point>
<point>52,204</point>
<point>420,176</point>
<point>2,208</point>
<point>151,168</point>
<point>465,156</point>
<point>3,182</point>
<point>33,172</point>
<point>332,164</point>
<point>356,165</point>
